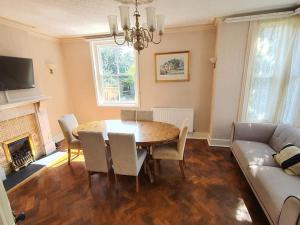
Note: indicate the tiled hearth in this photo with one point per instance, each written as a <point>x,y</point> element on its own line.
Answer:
<point>24,118</point>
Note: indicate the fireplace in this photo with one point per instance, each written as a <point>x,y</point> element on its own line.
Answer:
<point>19,151</point>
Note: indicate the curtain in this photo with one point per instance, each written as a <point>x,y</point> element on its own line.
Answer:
<point>273,76</point>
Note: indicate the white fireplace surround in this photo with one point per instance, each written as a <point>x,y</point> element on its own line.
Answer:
<point>28,106</point>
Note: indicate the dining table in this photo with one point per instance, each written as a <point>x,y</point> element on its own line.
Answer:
<point>147,133</point>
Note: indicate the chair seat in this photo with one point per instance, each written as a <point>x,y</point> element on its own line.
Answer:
<point>167,151</point>
<point>75,144</point>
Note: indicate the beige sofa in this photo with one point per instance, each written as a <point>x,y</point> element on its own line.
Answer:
<point>253,145</point>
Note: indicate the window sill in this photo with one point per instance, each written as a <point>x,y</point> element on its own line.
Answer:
<point>118,105</point>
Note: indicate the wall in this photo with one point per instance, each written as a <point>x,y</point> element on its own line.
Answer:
<point>230,51</point>
<point>196,93</point>
<point>42,49</point>
<point>6,216</point>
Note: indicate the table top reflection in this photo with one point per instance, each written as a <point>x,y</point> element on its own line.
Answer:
<point>146,132</point>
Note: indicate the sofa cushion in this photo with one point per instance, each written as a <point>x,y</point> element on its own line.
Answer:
<point>273,186</point>
<point>289,159</point>
<point>259,132</point>
<point>253,153</point>
<point>283,135</point>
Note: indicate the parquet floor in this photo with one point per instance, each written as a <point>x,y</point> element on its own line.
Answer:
<point>214,192</point>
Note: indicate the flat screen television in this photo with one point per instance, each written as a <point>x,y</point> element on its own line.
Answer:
<point>16,73</point>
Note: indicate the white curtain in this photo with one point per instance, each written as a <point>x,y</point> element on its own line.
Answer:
<point>273,76</point>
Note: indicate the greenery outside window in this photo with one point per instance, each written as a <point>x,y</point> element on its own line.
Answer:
<point>115,73</point>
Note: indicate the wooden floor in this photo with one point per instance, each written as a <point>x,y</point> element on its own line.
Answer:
<point>214,192</point>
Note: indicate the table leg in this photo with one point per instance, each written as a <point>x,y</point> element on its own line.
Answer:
<point>148,161</point>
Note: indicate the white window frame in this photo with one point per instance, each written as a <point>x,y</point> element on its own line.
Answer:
<point>97,74</point>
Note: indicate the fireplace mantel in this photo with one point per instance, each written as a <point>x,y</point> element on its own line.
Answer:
<point>12,116</point>
<point>27,101</point>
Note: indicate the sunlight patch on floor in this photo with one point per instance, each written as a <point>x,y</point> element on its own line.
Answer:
<point>242,213</point>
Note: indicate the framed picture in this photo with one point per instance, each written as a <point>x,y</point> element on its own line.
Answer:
<point>172,66</point>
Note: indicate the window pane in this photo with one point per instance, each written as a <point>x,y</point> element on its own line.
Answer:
<point>117,73</point>
<point>127,92</point>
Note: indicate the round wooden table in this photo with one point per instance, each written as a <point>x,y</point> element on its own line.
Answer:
<point>147,133</point>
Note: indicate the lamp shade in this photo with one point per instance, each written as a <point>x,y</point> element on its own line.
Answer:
<point>151,21</point>
<point>161,23</point>
<point>125,19</point>
<point>113,24</point>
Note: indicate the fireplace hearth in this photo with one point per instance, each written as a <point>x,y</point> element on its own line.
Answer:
<point>19,151</point>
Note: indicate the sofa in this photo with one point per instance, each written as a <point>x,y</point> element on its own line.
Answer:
<point>253,146</point>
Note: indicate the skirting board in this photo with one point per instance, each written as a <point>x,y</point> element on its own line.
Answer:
<point>219,142</point>
<point>197,135</point>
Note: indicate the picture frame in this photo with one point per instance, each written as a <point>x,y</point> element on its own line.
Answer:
<point>172,66</point>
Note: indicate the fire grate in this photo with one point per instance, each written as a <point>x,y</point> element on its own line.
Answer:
<point>19,151</point>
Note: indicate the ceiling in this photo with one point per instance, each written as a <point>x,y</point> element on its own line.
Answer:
<point>85,17</point>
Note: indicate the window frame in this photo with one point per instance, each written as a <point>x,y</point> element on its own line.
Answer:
<point>97,74</point>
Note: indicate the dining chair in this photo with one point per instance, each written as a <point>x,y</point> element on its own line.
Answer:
<point>128,114</point>
<point>144,115</point>
<point>97,157</point>
<point>67,124</point>
<point>172,151</point>
<point>127,159</point>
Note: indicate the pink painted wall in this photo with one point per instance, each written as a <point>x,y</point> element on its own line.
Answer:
<point>195,94</point>
<point>42,49</point>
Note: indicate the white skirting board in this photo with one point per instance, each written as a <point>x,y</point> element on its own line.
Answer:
<point>197,135</point>
<point>219,142</point>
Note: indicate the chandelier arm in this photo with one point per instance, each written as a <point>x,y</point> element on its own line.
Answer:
<point>154,42</point>
<point>121,43</point>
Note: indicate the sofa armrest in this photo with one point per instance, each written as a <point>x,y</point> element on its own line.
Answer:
<point>260,132</point>
<point>290,212</point>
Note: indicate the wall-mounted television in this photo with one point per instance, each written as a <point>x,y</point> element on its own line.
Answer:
<point>16,73</point>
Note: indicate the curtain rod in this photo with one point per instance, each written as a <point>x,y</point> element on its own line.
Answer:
<point>263,16</point>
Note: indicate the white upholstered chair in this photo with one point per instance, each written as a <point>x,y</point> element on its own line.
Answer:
<point>127,160</point>
<point>127,114</point>
<point>144,115</point>
<point>67,124</point>
<point>173,151</point>
<point>97,158</point>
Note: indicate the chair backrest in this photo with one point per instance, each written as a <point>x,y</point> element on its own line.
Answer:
<point>67,124</point>
<point>182,137</point>
<point>144,115</point>
<point>127,114</point>
<point>94,151</point>
<point>123,153</point>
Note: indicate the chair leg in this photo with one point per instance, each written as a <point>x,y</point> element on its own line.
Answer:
<point>78,152</point>
<point>145,167</point>
<point>181,168</point>
<point>69,156</point>
<point>90,178</point>
<point>158,162</point>
<point>155,167</point>
<point>108,180</point>
<point>184,162</point>
<point>137,183</point>
<point>116,180</point>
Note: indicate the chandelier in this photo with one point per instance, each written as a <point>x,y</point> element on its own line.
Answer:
<point>139,36</point>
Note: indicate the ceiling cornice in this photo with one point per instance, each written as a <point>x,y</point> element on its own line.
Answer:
<point>168,30</point>
<point>27,28</point>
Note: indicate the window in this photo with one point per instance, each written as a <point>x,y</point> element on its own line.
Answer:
<point>115,74</point>
<point>274,86</point>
